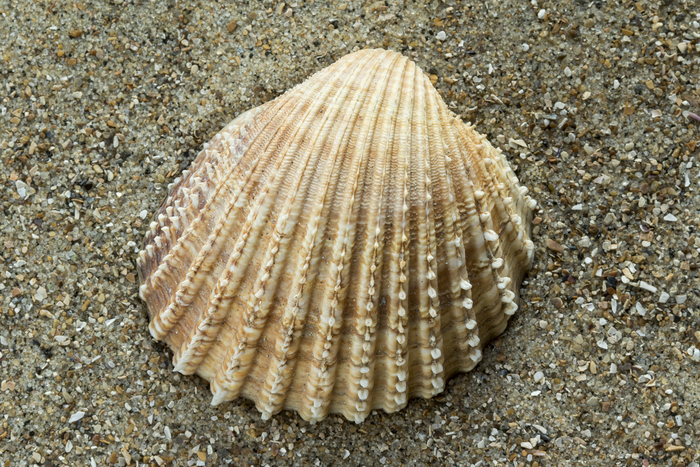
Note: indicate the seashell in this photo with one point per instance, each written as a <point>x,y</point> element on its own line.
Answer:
<point>346,247</point>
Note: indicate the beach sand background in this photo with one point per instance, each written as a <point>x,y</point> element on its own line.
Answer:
<point>102,104</point>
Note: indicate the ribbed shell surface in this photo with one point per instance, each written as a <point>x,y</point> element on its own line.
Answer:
<point>346,247</point>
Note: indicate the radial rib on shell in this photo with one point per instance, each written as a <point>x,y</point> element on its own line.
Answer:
<point>346,247</point>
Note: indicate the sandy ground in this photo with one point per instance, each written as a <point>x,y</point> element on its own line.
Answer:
<point>102,104</point>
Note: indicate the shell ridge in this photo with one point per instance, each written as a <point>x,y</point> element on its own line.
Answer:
<point>172,222</point>
<point>362,148</point>
<point>494,198</point>
<point>472,244</point>
<point>236,128</point>
<point>417,286</point>
<point>489,298</point>
<point>224,386</point>
<point>461,290</point>
<point>166,320</point>
<point>243,130</point>
<point>435,332</point>
<point>451,273</point>
<point>509,238</point>
<point>348,221</point>
<point>181,181</point>
<point>511,223</point>
<point>366,319</point>
<point>398,319</point>
<point>330,320</point>
<point>191,352</point>
<point>482,265</point>
<point>317,224</point>
<point>334,302</point>
<point>228,212</point>
<point>386,372</point>
<point>187,289</point>
<point>353,208</point>
<point>239,128</point>
<point>296,307</point>
<point>198,269</point>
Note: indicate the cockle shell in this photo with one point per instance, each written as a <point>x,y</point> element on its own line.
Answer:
<point>345,247</point>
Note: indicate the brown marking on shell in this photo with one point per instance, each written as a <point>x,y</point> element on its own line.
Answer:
<point>346,247</point>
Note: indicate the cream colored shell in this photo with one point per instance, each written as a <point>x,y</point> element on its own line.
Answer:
<point>346,247</point>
